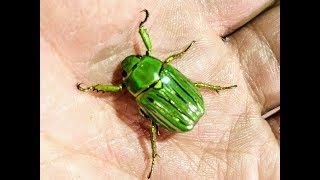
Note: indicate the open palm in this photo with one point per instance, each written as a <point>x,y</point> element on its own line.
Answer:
<point>102,135</point>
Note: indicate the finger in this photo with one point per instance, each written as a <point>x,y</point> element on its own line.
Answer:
<point>80,29</point>
<point>225,17</point>
<point>274,122</point>
<point>257,46</point>
<point>221,17</point>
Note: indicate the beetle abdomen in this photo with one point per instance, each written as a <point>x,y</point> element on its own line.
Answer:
<point>174,103</point>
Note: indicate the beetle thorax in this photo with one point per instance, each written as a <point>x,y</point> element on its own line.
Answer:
<point>141,74</point>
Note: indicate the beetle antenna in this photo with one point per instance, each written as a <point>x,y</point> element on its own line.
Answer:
<point>147,15</point>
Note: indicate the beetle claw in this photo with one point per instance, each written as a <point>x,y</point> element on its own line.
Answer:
<point>81,88</point>
<point>147,15</point>
<point>78,85</point>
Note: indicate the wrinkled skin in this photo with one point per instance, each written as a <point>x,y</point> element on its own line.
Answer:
<point>102,136</point>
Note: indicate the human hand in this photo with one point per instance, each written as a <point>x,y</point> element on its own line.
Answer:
<point>102,136</point>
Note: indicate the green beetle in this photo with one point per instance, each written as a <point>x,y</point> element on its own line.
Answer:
<point>164,95</point>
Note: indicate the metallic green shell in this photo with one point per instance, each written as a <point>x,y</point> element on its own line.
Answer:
<point>173,103</point>
<point>129,63</point>
<point>143,75</point>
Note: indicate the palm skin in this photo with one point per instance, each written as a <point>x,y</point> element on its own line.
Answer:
<point>102,135</point>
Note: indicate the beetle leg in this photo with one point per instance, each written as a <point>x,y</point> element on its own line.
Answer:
<point>153,146</point>
<point>157,130</point>
<point>172,57</point>
<point>213,87</point>
<point>100,87</point>
<point>143,114</point>
<point>144,35</point>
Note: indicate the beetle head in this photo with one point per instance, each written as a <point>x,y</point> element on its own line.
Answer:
<point>129,63</point>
